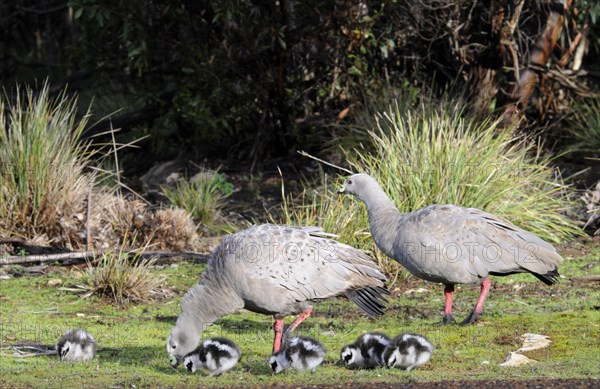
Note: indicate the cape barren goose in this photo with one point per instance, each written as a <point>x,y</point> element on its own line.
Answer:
<point>366,352</point>
<point>452,244</point>
<point>275,270</point>
<point>217,355</point>
<point>408,351</point>
<point>76,345</point>
<point>300,353</point>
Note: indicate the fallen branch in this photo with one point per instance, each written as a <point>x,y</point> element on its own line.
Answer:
<point>91,255</point>
<point>593,278</point>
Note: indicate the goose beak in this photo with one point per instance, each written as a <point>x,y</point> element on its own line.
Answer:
<point>342,189</point>
<point>174,361</point>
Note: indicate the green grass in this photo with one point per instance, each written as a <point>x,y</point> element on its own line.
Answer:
<point>203,198</point>
<point>516,305</point>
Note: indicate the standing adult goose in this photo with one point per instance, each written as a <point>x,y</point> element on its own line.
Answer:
<point>275,270</point>
<point>453,245</point>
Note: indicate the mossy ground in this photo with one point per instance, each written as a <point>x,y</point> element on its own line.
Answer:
<point>31,311</point>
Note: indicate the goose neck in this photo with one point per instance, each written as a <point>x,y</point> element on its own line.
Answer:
<point>383,221</point>
<point>204,304</point>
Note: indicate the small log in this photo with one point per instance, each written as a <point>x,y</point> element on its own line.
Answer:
<point>87,255</point>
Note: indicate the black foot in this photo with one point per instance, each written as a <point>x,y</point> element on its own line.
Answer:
<point>471,319</point>
<point>448,319</point>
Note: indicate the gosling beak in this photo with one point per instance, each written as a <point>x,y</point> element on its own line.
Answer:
<point>174,361</point>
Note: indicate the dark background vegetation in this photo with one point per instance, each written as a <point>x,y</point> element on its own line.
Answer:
<point>249,80</point>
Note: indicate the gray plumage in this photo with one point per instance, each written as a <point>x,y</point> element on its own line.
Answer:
<point>300,353</point>
<point>452,244</point>
<point>408,351</point>
<point>366,352</point>
<point>76,345</point>
<point>279,271</point>
<point>217,355</point>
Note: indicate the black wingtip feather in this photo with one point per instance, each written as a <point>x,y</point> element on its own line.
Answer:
<point>370,300</point>
<point>549,278</point>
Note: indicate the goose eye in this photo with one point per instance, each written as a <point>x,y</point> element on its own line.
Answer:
<point>349,182</point>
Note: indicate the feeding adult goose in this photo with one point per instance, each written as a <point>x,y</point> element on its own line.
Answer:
<point>275,270</point>
<point>76,345</point>
<point>453,245</point>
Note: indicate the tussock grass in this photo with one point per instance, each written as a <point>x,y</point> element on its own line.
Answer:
<point>121,279</point>
<point>43,178</point>
<point>203,197</point>
<point>436,154</point>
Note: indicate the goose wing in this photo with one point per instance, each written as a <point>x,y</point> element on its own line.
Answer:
<point>461,240</point>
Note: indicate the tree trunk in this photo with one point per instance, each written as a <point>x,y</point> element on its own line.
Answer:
<point>540,53</point>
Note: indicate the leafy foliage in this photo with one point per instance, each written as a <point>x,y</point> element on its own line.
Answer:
<point>268,74</point>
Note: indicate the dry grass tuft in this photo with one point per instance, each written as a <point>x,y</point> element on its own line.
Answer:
<point>114,216</point>
<point>121,279</point>
<point>171,229</point>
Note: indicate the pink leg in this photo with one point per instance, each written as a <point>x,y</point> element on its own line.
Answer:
<point>278,328</point>
<point>485,288</point>
<point>300,319</point>
<point>448,291</point>
<point>478,310</point>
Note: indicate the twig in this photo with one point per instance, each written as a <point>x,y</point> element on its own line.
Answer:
<point>24,350</point>
<point>47,310</point>
<point>305,154</point>
<point>88,238</point>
